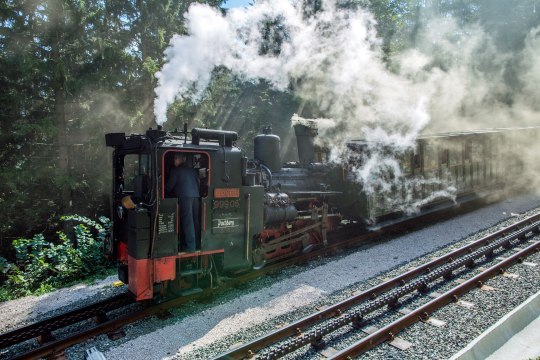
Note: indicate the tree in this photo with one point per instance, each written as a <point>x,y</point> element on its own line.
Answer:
<point>72,71</point>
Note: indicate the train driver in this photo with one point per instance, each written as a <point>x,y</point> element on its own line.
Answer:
<point>184,183</point>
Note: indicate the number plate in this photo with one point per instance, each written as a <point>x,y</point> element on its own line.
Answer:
<point>220,193</point>
<point>226,204</point>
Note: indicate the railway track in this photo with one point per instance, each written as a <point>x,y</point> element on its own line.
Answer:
<point>422,313</point>
<point>43,330</point>
<point>50,346</point>
<point>312,329</point>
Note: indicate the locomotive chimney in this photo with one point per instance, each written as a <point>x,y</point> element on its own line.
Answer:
<point>155,134</point>
<point>305,138</point>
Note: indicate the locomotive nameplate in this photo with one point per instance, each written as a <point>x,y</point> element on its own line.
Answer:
<point>226,225</point>
<point>220,193</point>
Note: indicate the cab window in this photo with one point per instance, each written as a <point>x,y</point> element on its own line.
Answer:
<point>198,161</point>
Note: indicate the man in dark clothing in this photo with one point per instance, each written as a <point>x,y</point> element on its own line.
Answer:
<point>184,183</point>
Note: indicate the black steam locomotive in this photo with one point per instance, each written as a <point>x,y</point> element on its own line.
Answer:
<point>255,211</point>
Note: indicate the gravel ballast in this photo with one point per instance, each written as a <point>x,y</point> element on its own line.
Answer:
<point>462,325</point>
<point>205,331</point>
<point>20,312</point>
<point>202,330</point>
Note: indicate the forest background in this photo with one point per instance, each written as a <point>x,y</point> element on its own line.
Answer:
<point>72,71</point>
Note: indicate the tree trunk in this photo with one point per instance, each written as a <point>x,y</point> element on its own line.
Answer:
<point>147,84</point>
<point>59,85</point>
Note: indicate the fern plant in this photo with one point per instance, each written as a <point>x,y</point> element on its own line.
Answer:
<point>42,265</point>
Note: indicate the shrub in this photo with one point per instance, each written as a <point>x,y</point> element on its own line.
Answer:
<point>42,265</point>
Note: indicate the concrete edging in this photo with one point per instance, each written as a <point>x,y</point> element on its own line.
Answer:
<point>499,333</point>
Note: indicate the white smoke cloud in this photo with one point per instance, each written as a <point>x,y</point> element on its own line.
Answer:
<point>467,78</point>
<point>530,75</point>
<point>453,80</point>
<point>333,58</point>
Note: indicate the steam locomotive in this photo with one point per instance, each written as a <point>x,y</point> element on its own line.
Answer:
<point>255,211</point>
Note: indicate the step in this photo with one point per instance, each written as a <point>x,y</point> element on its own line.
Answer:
<point>190,272</point>
<point>186,255</point>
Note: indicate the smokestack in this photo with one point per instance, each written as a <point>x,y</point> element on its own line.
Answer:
<point>305,138</point>
<point>155,134</point>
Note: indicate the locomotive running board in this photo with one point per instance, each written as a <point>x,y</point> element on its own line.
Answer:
<point>185,255</point>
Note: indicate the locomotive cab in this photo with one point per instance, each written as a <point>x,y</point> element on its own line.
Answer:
<point>147,235</point>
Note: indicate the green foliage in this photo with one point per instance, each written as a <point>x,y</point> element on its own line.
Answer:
<point>42,265</point>
<point>5,267</point>
<point>71,72</point>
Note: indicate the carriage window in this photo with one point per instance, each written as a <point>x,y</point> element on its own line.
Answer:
<point>445,156</point>
<point>467,151</point>
<point>430,158</point>
<point>454,157</point>
<point>144,164</point>
<point>405,162</point>
<point>197,161</point>
<point>416,161</point>
<point>477,151</point>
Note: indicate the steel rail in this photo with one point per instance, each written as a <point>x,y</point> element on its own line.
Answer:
<point>422,313</point>
<point>45,327</point>
<point>298,327</point>
<point>391,299</point>
<point>57,346</point>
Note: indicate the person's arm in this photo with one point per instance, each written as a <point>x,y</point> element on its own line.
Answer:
<point>197,181</point>
<point>169,186</point>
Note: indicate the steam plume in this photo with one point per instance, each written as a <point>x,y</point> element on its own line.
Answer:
<point>333,58</point>
<point>454,79</point>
